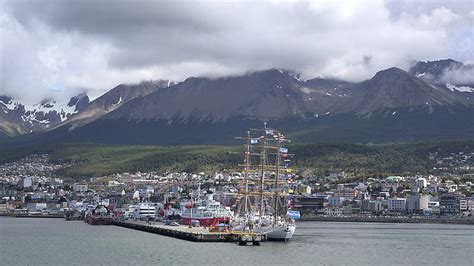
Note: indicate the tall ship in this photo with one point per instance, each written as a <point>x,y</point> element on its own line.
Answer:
<point>263,204</point>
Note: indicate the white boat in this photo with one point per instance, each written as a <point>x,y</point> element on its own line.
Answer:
<point>282,232</point>
<point>144,211</point>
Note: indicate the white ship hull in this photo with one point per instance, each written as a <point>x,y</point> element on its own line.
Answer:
<point>279,233</point>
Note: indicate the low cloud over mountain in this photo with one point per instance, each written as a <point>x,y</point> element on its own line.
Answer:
<point>50,46</point>
<point>394,105</point>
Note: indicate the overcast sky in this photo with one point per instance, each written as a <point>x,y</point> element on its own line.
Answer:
<point>49,46</point>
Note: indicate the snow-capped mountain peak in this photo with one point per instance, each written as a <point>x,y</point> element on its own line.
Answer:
<point>32,117</point>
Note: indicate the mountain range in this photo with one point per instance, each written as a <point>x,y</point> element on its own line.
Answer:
<point>17,118</point>
<point>423,103</point>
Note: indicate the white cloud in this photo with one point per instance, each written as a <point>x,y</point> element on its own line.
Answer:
<point>463,76</point>
<point>51,45</point>
<point>437,18</point>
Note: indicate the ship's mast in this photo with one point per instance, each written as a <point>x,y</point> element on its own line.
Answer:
<point>246,171</point>
<point>277,181</point>
<point>262,174</point>
<point>199,194</point>
<point>247,168</point>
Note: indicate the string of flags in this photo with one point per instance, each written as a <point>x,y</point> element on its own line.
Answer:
<point>282,150</point>
<point>278,136</point>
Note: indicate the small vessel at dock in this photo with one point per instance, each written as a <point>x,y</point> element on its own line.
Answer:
<point>205,213</point>
<point>73,215</point>
<point>100,215</point>
<point>144,211</point>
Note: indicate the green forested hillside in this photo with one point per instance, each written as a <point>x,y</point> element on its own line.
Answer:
<point>320,159</point>
<point>97,160</point>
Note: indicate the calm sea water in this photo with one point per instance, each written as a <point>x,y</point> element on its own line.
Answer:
<point>58,242</point>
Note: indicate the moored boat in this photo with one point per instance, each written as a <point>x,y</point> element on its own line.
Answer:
<point>100,215</point>
<point>209,213</point>
<point>145,211</point>
<point>268,213</point>
<point>280,232</point>
<point>73,215</point>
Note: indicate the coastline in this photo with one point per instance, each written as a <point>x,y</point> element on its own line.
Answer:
<point>422,220</point>
<point>466,221</point>
<point>31,216</point>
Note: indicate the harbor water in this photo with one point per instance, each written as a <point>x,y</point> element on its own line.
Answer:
<point>57,242</point>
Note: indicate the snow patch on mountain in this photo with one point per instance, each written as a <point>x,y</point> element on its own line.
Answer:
<point>45,108</point>
<point>118,103</point>
<point>10,105</point>
<point>307,90</point>
<point>45,114</point>
<point>453,88</point>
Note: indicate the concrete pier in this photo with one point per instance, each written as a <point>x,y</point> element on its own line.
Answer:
<point>197,234</point>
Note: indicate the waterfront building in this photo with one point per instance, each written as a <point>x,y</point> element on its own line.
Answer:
<point>348,194</point>
<point>417,203</point>
<point>375,206</point>
<point>36,206</point>
<point>470,203</point>
<point>311,202</point>
<point>349,210</point>
<point>336,201</point>
<point>449,204</point>
<point>333,211</point>
<point>397,204</point>
<point>463,206</point>
<point>433,206</point>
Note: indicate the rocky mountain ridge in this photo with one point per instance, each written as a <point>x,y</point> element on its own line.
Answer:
<point>393,105</point>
